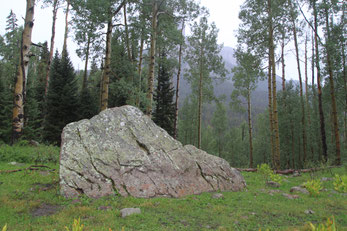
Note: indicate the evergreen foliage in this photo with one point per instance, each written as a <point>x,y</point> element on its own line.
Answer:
<point>5,111</point>
<point>164,111</point>
<point>62,99</point>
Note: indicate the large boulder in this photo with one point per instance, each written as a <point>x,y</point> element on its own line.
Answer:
<point>121,151</point>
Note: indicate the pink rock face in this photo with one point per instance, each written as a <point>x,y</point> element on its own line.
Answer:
<point>122,152</point>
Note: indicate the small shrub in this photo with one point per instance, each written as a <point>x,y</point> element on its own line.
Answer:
<point>330,225</point>
<point>268,174</point>
<point>276,178</point>
<point>340,183</point>
<point>313,187</point>
<point>265,171</point>
<point>76,226</point>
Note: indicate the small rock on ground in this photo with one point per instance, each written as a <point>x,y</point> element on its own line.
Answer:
<point>129,211</point>
<point>299,189</point>
<point>104,208</point>
<point>273,184</point>
<point>296,174</point>
<point>309,211</point>
<point>289,196</point>
<point>275,191</point>
<point>326,179</point>
<point>217,196</point>
<point>15,163</point>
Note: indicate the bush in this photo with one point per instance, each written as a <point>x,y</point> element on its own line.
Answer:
<point>268,174</point>
<point>76,226</point>
<point>340,183</point>
<point>330,225</point>
<point>313,187</point>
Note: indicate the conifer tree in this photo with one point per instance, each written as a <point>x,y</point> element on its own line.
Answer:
<point>164,112</point>
<point>5,111</point>
<point>62,99</point>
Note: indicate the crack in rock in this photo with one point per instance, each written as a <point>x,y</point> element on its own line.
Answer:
<point>122,151</point>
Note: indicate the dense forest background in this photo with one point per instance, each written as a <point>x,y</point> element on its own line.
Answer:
<point>231,102</point>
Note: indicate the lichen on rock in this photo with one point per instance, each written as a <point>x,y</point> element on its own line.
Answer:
<point>121,151</point>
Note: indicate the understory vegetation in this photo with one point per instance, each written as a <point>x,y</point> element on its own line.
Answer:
<point>30,200</point>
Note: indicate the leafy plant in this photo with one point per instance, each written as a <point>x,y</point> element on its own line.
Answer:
<point>276,178</point>
<point>268,174</point>
<point>330,225</point>
<point>76,226</point>
<point>4,228</point>
<point>265,171</point>
<point>313,187</point>
<point>340,183</point>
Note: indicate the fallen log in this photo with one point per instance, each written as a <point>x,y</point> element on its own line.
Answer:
<point>287,171</point>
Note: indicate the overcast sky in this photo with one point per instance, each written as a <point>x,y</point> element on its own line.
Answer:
<point>223,12</point>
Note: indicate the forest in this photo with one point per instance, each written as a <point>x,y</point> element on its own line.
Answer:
<point>143,53</point>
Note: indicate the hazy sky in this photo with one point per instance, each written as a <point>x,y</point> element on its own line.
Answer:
<point>223,12</point>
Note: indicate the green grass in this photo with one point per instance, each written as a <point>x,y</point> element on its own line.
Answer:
<point>251,209</point>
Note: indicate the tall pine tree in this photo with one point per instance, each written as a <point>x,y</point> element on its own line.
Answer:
<point>164,112</point>
<point>62,100</point>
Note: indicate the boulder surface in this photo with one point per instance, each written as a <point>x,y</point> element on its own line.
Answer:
<point>122,151</point>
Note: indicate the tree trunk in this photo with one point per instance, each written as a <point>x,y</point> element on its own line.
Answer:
<point>139,70</point>
<point>107,68</point>
<point>277,154</point>
<point>332,90</point>
<point>84,84</point>
<point>303,123</point>
<point>51,49</point>
<point>200,97</point>
<point>66,26</point>
<point>152,59</point>
<point>344,78</point>
<point>306,98</point>
<point>22,73</point>
<point>249,112</point>
<point>126,31</point>
<point>272,143</point>
<point>178,81</point>
<point>283,64</point>
<point>293,143</point>
<point>320,104</point>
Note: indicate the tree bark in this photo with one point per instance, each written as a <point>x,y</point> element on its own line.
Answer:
<point>277,154</point>
<point>107,67</point>
<point>249,112</point>
<point>270,113</point>
<point>306,99</point>
<point>22,73</point>
<point>152,59</point>
<point>200,96</point>
<point>332,89</point>
<point>283,64</point>
<point>126,32</point>
<point>66,26</point>
<point>178,80</point>
<point>105,81</point>
<point>51,49</point>
<point>303,121</point>
<point>344,77</point>
<point>139,70</point>
<point>85,76</point>
<point>320,104</point>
